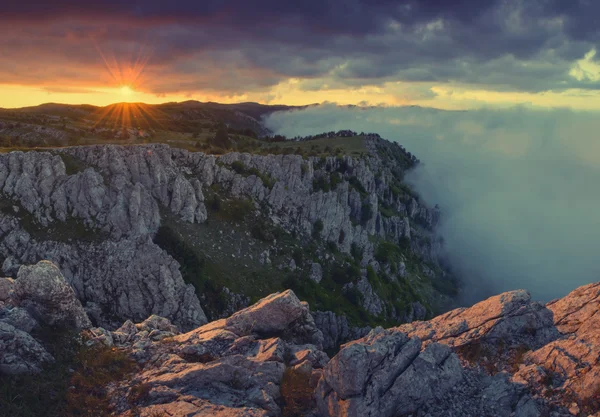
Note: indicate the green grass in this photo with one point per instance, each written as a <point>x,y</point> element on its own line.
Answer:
<point>354,145</point>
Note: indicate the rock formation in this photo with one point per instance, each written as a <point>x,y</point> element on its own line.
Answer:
<point>505,356</point>
<point>39,295</point>
<point>101,206</point>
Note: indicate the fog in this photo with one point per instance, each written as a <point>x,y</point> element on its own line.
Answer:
<point>519,188</point>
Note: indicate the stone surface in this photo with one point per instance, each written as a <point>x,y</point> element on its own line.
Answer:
<point>230,367</point>
<point>386,374</point>
<point>20,352</point>
<point>509,317</point>
<point>42,290</point>
<point>336,329</point>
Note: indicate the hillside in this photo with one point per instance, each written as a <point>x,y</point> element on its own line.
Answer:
<point>186,125</point>
<point>345,232</point>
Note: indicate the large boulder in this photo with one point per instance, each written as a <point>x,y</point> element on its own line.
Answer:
<point>386,374</point>
<point>42,290</point>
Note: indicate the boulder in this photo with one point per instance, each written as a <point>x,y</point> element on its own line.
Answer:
<point>20,352</point>
<point>43,291</point>
<point>386,374</point>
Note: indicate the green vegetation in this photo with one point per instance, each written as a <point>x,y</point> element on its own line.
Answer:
<point>73,165</point>
<point>71,229</point>
<point>354,146</point>
<point>317,229</point>
<point>75,385</point>
<point>240,168</point>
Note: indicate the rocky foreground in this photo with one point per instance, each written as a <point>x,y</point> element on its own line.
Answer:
<point>505,356</point>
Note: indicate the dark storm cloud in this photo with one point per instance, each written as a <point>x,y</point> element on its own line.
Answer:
<point>507,45</point>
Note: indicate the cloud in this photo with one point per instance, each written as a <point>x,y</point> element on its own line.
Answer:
<point>518,187</point>
<point>239,47</point>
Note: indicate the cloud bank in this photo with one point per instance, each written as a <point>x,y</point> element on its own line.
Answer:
<point>239,46</point>
<point>518,187</point>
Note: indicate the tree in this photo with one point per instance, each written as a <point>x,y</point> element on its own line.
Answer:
<point>222,137</point>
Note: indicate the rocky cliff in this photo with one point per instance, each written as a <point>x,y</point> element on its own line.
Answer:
<point>141,230</point>
<point>505,356</point>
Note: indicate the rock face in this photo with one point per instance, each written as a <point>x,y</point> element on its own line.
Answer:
<point>126,279</point>
<point>101,206</point>
<point>231,367</point>
<point>505,356</point>
<point>39,295</point>
<point>386,374</point>
<point>42,290</point>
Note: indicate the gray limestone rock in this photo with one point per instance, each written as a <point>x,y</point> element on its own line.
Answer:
<point>19,352</point>
<point>42,290</point>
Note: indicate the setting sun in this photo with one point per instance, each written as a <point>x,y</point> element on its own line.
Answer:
<point>126,90</point>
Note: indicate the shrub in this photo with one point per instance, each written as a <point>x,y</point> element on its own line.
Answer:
<point>297,393</point>
<point>355,183</point>
<point>356,252</point>
<point>320,183</point>
<point>342,237</point>
<point>317,228</point>
<point>366,213</point>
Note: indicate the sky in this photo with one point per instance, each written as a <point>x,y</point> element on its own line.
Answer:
<point>446,54</point>
<point>517,188</point>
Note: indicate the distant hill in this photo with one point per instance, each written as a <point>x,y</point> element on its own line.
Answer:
<point>188,116</point>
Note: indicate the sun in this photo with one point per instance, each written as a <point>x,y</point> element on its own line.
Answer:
<point>126,90</point>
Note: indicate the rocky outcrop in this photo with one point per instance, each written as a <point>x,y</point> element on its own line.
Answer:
<point>42,290</point>
<point>510,318</point>
<point>231,367</point>
<point>567,370</point>
<point>101,206</point>
<point>20,352</point>
<point>39,296</point>
<point>336,329</point>
<point>386,374</point>
<point>505,356</point>
<point>115,280</point>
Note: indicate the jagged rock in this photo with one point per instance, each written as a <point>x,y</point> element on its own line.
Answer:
<point>509,317</point>
<point>19,318</point>
<point>155,322</point>
<point>569,366</point>
<point>42,290</point>
<point>336,329</point>
<point>386,374</point>
<point>125,279</point>
<point>19,352</point>
<point>281,314</point>
<point>232,367</point>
